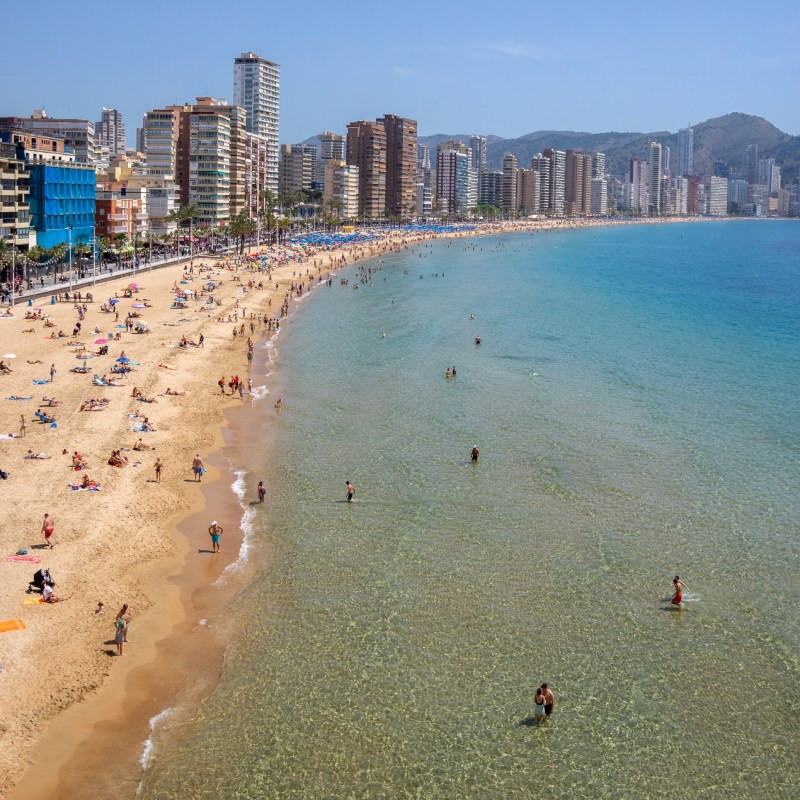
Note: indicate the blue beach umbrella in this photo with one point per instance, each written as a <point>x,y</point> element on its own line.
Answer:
<point>123,360</point>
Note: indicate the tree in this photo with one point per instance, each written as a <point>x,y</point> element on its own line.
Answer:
<point>283,226</point>
<point>181,216</point>
<point>241,227</point>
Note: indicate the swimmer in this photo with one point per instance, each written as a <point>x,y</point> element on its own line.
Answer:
<point>679,586</point>
<point>475,453</point>
<point>447,373</point>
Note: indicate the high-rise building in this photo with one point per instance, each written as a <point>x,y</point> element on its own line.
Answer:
<point>298,167</point>
<point>598,165</point>
<point>598,203</point>
<point>578,182</point>
<point>528,198</point>
<point>401,164</point>
<point>257,89</point>
<point>717,196</point>
<point>541,164</point>
<point>508,192</point>
<point>332,147</point>
<point>558,166</point>
<point>14,190</point>
<point>140,144</point>
<point>423,156</point>
<point>637,180</point>
<point>340,194</point>
<point>769,175</point>
<point>161,139</point>
<point>490,187</point>
<point>751,158</point>
<point>665,161</point>
<point>655,174</point>
<point>478,146</point>
<point>452,177</point>
<point>366,149</point>
<point>78,134</point>
<point>737,193</point>
<point>685,151</point>
<point>110,131</point>
<point>256,168</point>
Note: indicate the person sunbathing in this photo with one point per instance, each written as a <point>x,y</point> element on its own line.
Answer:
<point>51,401</point>
<point>36,456</point>
<point>4,368</point>
<point>140,445</point>
<point>174,392</point>
<point>78,462</point>
<point>44,417</point>
<point>38,360</point>
<point>88,483</point>
<point>49,324</point>
<point>146,426</point>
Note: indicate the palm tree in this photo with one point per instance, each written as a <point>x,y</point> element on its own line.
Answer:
<point>181,216</point>
<point>242,226</point>
<point>283,226</point>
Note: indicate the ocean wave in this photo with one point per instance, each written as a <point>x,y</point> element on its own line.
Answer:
<point>239,487</point>
<point>147,751</point>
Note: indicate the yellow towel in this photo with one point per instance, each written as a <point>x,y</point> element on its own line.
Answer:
<point>12,625</point>
<point>32,601</point>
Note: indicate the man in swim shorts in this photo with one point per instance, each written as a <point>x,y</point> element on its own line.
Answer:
<point>549,700</point>
<point>677,598</point>
<point>197,467</point>
<point>350,491</point>
<point>215,531</point>
<point>47,530</point>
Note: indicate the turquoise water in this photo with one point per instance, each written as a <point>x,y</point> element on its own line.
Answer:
<point>635,400</point>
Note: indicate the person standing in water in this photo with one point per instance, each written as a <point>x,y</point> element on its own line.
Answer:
<point>475,453</point>
<point>350,491</point>
<point>262,492</point>
<point>215,532</point>
<point>679,586</point>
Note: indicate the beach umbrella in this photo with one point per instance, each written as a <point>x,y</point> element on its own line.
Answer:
<point>113,301</point>
<point>123,360</point>
<point>139,305</point>
<point>84,357</point>
<point>101,341</point>
<point>9,355</point>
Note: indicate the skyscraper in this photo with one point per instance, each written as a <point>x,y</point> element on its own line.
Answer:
<point>452,176</point>
<point>578,183</point>
<point>401,164</point>
<point>637,179</point>
<point>654,171</point>
<point>257,88</point>
<point>751,159</point>
<point>508,194</point>
<point>298,167</point>
<point>541,164</point>
<point>332,147</point>
<point>558,166</point>
<point>478,146</point>
<point>366,149</point>
<point>110,131</point>
<point>685,151</point>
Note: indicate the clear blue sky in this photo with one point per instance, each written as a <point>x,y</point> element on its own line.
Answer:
<point>503,68</point>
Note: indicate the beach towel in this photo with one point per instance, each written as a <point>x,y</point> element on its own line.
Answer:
<point>18,398</point>
<point>41,381</point>
<point>32,601</point>
<point>76,487</point>
<point>12,625</point>
<point>24,559</point>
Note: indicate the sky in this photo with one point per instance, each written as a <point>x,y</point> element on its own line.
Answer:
<point>467,67</point>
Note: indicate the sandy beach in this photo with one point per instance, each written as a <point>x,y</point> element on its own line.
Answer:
<point>130,540</point>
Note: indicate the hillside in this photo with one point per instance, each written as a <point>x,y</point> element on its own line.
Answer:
<point>722,138</point>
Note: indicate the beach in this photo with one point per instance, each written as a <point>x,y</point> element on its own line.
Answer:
<point>131,540</point>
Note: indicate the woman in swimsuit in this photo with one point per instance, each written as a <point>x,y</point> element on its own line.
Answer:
<point>539,701</point>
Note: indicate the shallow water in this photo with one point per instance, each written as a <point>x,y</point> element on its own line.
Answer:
<point>635,402</point>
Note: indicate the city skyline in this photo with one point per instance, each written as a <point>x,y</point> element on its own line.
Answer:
<point>484,79</point>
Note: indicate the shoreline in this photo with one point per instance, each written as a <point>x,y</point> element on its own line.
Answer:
<point>103,717</point>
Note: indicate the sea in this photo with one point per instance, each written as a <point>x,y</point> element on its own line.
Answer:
<point>634,397</point>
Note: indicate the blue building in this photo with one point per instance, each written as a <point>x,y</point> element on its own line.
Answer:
<point>62,197</point>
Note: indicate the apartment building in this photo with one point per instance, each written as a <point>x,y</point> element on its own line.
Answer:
<point>340,194</point>
<point>401,164</point>
<point>366,149</point>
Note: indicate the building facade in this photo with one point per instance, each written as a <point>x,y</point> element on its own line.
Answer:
<point>717,197</point>
<point>655,174</point>
<point>452,177</point>
<point>110,131</point>
<point>477,144</point>
<point>366,149</point>
<point>401,164</point>
<point>340,194</point>
<point>298,168</point>
<point>685,152</point>
<point>558,168</point>
<point>62,203</point>
<point>78,134</point>
<point>257,89</point>
<point>332,147</point>
<point>14,191</point>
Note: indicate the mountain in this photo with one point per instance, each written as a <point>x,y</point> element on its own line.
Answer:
<point>723,138</point>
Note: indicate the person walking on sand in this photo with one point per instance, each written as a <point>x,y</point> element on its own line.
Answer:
<point>47,530</point>
<point>23,426</point>
<point>198,468</point>
<point>158,466</point>
<point>215,531</point>
<point>351,490</point>
<point>52,372</point>
<point>262,492</point>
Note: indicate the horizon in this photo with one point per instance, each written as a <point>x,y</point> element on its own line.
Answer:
<point>486,83</point>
